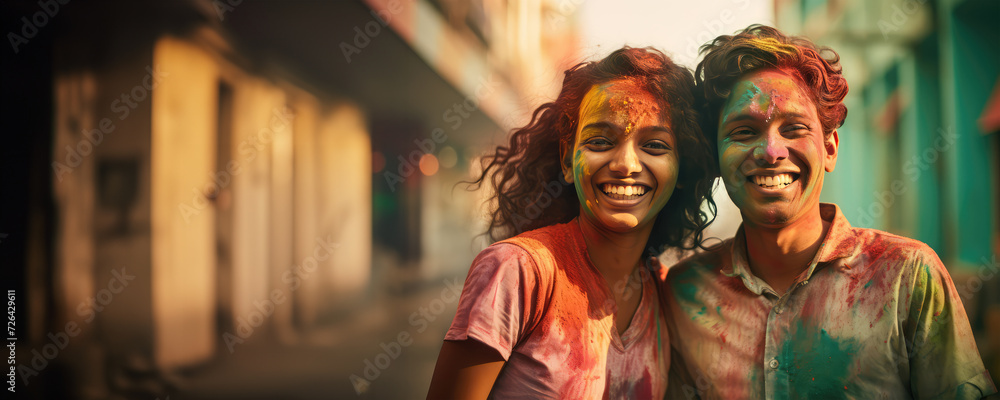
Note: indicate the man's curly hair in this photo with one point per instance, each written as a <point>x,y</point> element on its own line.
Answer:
<point>729,58</point>
<point>525,175</point>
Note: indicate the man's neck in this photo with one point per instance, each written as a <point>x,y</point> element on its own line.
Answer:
<point>779,255</point>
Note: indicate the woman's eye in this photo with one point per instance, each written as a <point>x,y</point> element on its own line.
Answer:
<point>657,145</point>
<point>599,142</point>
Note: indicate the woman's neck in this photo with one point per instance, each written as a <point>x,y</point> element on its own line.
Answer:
<point>616,255</point>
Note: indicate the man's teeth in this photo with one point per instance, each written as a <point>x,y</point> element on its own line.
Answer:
<point>621,191</point>
<point>777,181</point>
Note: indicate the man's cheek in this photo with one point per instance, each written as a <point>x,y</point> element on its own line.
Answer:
<point>729,166</point>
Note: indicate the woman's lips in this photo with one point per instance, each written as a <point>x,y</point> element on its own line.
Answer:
<point>624,192</point>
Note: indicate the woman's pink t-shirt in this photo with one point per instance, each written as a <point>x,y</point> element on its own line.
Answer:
<point>538,300</point>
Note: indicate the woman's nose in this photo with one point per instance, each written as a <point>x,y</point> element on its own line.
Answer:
<point>626,161</point>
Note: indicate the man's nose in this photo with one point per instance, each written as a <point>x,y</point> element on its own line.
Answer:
<point>773,148</point>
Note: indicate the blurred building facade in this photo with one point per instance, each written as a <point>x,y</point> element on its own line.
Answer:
<point>920,149</point>
<point>229,171</point>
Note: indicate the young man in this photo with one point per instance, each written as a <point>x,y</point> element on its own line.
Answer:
<point>799,304</point>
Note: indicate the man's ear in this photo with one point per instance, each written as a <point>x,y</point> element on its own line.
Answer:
<point>831,144</point>
<point>565,161</point>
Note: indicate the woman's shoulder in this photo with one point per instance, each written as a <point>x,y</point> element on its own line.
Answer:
<point>541,248</point>
<point>550,238</point>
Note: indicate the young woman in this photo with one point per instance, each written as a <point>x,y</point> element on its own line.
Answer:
<point>567,309</point>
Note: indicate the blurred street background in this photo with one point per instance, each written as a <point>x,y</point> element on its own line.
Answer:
<point>254,199</point>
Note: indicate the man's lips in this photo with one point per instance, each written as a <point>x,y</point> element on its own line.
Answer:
<point>773,181</point>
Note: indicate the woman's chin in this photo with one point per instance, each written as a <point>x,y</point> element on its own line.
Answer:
<point>620,222</point>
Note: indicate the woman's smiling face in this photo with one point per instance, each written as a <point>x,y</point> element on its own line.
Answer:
<point>624,158</point>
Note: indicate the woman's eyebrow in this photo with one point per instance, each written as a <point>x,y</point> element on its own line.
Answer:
<point>602,126</point>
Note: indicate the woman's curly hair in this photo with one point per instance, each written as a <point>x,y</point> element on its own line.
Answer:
<point>729,58</point>
<point>526,174</point>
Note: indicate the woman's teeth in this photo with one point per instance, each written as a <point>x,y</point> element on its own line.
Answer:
<point>773,182</point>
<point>623,192</point>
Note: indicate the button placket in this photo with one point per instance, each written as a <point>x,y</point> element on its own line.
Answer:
<point>771,351</point>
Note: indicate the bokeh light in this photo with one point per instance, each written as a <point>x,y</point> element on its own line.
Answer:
<point>428,164</point>
<point>447,157</point>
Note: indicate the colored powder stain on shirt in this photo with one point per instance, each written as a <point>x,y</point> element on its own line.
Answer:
<point>903,350</point>
<point>688,293</point>
<point>718,310</point>
<point>817,364</point>
<point>869,283</point>
<point>878,316</point>
<point>645,388</point>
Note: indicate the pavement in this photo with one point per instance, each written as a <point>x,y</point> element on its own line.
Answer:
<point>385,349</point>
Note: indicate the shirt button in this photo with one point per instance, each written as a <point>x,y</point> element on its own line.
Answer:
<point>773,364</point>
<point>805,282</point>
<point>779,309</point>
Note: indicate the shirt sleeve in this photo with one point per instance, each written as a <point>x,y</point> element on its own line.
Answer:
<point>944,361</point>
<point>500,301</point>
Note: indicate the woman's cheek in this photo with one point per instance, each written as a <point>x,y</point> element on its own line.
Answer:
<point>581,171</point>
<point>666,183</point>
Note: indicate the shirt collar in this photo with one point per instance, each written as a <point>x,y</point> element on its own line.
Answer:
<point>839,242</point>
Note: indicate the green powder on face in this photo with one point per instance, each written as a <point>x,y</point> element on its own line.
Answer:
<point>578,173</point>
<point>749,93</point>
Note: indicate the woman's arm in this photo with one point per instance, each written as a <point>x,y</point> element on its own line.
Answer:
<point>465,369</point>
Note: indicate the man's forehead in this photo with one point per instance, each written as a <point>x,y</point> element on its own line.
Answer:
<point>767,88</point>
<point>768,82</point>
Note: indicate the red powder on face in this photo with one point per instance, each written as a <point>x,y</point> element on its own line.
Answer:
<point>637,103</point>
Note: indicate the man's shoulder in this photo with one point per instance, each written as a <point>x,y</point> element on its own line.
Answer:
<point>905,256</point>
<point>881,244</point>
<point>706,262</point>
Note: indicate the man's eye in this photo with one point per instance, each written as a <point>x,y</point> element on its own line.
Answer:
<point>741,132</point>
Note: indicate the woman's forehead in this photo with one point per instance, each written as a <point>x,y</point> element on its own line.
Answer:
<point>626,97</point>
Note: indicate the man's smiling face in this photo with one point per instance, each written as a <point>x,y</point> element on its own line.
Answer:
<point>772,150</point>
